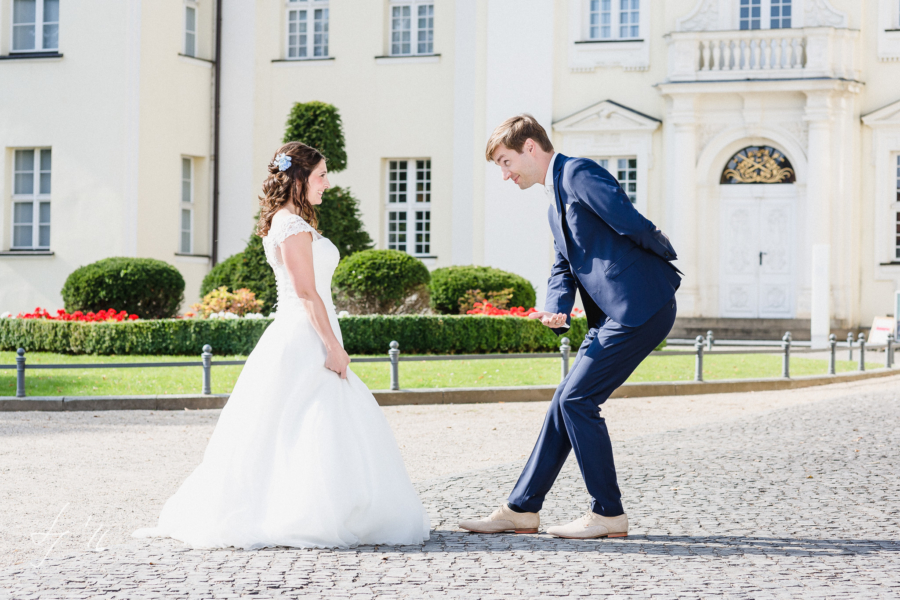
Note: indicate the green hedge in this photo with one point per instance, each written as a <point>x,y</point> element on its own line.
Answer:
<point>371,334</point>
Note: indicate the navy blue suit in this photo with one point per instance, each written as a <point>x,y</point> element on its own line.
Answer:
<point>621,264</point>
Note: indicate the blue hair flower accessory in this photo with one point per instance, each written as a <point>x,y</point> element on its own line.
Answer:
<point>283,161</point>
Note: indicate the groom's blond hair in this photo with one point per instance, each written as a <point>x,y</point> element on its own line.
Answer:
<point>513,132</point>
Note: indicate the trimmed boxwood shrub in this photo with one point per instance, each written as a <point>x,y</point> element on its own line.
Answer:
<point>247,269</point>
<point>378,281</point>
<point>370,334</point>
<point>449,284</point>
<point>149,288</point>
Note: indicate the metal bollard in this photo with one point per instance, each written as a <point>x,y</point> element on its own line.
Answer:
<point>394,353</point>
<point>786,359</point>
<point>565,349</point>
<point>849,346</point>
<point>710,340</point>
<point>832,358</point>
<point>862,351</point>
<point>20,373</point>
<point>698,364</point>
<point>206,357</point>
<point>889,352</point>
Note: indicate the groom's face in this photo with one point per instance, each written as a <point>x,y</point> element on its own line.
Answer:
<point>520,167</point>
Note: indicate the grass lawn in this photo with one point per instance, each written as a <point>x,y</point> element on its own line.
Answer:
<point>413,374</point>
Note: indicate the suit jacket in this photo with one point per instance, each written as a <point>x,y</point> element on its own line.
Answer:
<point>606,248</point>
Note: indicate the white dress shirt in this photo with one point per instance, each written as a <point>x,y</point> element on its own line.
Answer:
<point>548,179</point>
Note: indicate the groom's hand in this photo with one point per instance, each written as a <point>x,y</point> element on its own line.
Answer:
<point>551,320</point>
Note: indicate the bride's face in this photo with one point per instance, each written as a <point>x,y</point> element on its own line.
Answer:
<point>317,183</point>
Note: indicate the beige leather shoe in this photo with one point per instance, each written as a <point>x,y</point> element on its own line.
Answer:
<point>502,520</point>
<point>591,525</point>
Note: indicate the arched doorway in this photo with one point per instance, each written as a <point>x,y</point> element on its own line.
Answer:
<point>757,235</point>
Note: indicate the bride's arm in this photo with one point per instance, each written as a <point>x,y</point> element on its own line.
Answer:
<point>296,253</point>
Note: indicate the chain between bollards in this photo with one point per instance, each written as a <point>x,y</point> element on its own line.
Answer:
<point>564,350</point>
<point>786,359</point>
<point>862,352</point>
<point>394,353</point>
<point>206,357</point>
<point>698,363</point>
<point>20,373</point>
<point>832,357</point>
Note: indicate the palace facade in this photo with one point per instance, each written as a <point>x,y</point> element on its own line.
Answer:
<point>762,135</point>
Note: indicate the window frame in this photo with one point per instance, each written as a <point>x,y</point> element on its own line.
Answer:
<point>35,199</point>
<point>310,7</point>
<point>411,206</point>
<point>765,18</point>
<point>39,23</point>
<point>187,205</point>
<point>615,20</point>
<point>414,30</point>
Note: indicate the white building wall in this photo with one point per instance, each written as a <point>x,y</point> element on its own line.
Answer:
<point>129,115</point>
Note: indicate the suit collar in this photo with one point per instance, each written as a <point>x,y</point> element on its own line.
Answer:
<point>557,176</point>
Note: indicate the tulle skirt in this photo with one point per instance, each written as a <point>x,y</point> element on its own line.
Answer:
<point>299,457</point>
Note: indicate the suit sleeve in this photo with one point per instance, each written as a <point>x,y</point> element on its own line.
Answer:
<point>596,189</point>
<point>561,288</point>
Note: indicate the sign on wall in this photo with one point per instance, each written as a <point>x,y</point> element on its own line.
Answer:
<point>881,327</point>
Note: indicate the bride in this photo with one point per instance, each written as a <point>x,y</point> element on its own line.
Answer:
<point>301,455</point>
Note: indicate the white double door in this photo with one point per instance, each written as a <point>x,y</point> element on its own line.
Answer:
<point>757,259</point>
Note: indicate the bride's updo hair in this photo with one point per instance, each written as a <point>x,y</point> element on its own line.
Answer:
<point>290,186</point>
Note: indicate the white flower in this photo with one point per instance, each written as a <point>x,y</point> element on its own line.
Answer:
<point>7,315</point>
<point>343,314</point>
<point>253,316</point>
<point>283,161</point>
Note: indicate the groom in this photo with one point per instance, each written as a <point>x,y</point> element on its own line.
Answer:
<point>620,263</point>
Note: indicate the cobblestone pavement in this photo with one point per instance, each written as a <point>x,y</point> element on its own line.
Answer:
<point>801,502</point>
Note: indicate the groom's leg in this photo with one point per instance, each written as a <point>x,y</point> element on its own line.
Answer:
<point>550,451</point>
<point>609,360</point>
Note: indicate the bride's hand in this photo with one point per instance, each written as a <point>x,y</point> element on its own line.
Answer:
<point>337,361</point>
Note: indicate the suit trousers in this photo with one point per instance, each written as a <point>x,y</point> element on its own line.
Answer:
<point>609,355</point>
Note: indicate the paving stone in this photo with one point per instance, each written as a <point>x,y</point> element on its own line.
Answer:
<point>720,510</point>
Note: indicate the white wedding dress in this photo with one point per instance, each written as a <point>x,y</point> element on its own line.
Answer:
<point>299,456</point>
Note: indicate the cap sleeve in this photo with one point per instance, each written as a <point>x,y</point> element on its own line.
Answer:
<point>291,225</point>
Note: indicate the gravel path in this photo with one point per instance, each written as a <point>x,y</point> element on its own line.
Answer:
<point>752,495</point>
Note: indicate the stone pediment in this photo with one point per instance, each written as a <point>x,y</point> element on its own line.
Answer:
<point>886,116</point>
<point>607,116</point>
<point>722,15</point>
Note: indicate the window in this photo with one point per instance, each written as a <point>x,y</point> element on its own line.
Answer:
<point>35,25</point>
<point>625,171</point>
<point>307,34</point>
<point>780,15</point>
<point>186,242</point>
<point>752,14</point>
<point>897,214</point>
<point>409,207</point>
<point>31,199</point>
<point>412,28</point>
<point>190,28</point>
<point>603,13</point>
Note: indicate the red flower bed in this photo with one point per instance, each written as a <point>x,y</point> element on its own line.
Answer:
<point>61,315</point>
<point>486,308</point>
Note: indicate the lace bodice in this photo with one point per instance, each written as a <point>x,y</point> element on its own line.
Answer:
<point>325,261</point>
